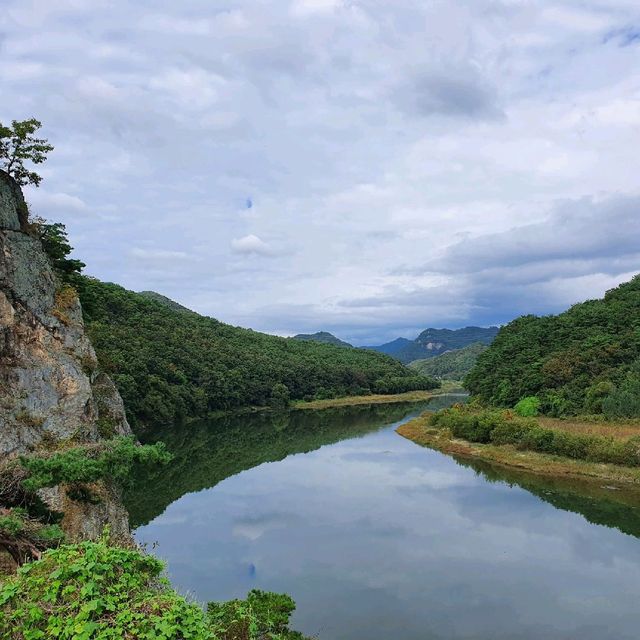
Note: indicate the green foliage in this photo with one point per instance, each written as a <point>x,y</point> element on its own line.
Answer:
<point>400,384</point>
<point>171,365</point>
<point>503,427</point>
<point>528,407</point>
<point>24,535</point>
<point>263,615</point>
<point>322,336</point>
<point>12,523</point>
<point>450,365</point>
<point>280,396</point>
<point>18,145</point>
<point>576,362</point>
<point>111,460</point>
<point>56,245</point>
<point>623,401</point>
<point>95,591</point>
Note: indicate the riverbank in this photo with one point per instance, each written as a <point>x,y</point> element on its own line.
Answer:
<point>422,432</point>
<point>350,401</point>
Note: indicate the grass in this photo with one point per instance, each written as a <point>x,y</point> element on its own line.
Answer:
<point>621,430</point>
<point>420,431</point>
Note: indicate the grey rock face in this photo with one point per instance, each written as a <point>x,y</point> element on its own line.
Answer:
<point>13,210</point>
<point>86,520</point>
<point>49,385</point>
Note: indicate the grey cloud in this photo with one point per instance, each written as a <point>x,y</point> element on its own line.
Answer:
<point>577,236</point>
<point>451,92</point>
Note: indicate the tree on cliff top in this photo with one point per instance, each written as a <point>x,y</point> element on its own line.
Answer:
<point>18,145</point>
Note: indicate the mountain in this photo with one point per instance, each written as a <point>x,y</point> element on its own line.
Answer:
<point>394,347</point>
<point>321,336</point>
<point>585,360</point>
<point>450,365</point>
<point>432,342</point>
<point>172,365</point>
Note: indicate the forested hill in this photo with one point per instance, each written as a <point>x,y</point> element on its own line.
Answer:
<point>167,302</point>
<point>432,342</point>
<point>322,336</point>
<point>173,364</point>
<point>450,365</point>
<point>585,360</point>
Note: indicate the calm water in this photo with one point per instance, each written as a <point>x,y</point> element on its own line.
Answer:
<point>377,538</point>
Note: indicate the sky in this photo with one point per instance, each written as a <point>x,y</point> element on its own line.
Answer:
<point>365,167</point>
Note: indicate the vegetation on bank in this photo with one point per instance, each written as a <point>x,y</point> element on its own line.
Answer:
<point>93,590</point>
<point>350,401</point>
<point>583,361</point>
<point>450,365</point>
<point>542,445</point>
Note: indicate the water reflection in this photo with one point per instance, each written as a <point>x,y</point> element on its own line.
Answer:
<point>378,538</point>
<point>207,452</point>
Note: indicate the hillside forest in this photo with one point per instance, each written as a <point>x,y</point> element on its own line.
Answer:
<point>583,361</point>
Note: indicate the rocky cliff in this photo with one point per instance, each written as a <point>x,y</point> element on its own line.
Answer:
<point>50,386</point>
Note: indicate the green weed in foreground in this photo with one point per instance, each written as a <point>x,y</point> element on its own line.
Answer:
<point>94,591</point>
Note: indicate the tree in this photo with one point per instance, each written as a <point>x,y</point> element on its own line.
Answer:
<point>56,245</point>
<point>18,145</point>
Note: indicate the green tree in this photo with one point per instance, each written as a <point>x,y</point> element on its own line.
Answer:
<point>280,396</point>
<point>56,245</point>
<point>18,145</point>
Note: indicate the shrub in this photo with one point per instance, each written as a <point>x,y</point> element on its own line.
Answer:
<point>623,401</point>
<point>111,460</point>
<point>509,432</point>
<point>262,615</point>
<point>528,407</point>
<point>93,590</point>
<point>96,591</point>
<point>596,394</point>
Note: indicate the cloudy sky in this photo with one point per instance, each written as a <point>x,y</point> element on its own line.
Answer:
<point>367,167</point>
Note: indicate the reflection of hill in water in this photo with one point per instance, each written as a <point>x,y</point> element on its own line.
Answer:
<point>208,452</point>
<point>597,501</point>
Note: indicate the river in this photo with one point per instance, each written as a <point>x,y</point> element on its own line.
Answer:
<point>377,538</point>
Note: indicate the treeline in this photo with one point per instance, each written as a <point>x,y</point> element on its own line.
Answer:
<point>583,361</point>
<point>171,364</point>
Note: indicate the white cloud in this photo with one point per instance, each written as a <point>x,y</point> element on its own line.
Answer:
<point>251,245</point>
<point>47,204</point>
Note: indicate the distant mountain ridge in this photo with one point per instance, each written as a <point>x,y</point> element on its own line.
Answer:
<point>450,365</point>
<point>322,336</point>
<point>432,342</point>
